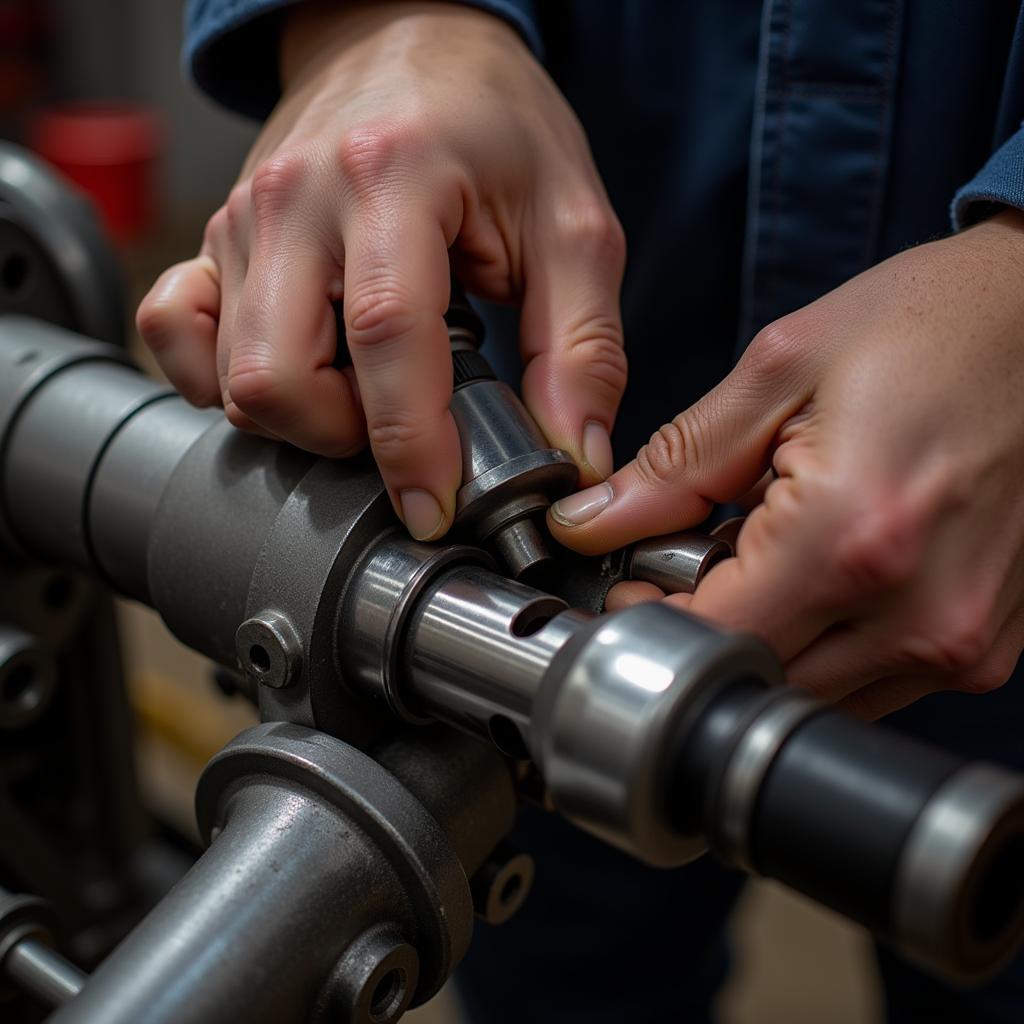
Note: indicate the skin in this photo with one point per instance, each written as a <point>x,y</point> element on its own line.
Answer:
<point>407,134</point>
<point>884,558</point>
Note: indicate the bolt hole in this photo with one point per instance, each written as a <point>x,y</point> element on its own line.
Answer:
<point>505,735</point>
<point>511,889</point>
<point>57,592</point>
<point>14,272</point>
<point>20,687</point>
<point>259,658</point>
<point>387,996</point>
<point>535,616</point>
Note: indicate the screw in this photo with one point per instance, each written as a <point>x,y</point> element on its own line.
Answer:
<point>269,650</point>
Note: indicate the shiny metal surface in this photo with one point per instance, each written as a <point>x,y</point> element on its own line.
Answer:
<point>27,678</point>
<point>959,886</point>
<point>315,849</point>
<point>612,706</point>
<point>375,610</point>
<point>677,562</point>
<point>477,650</point>
<point>35,967</point>
<point>509,473</point>
<point>747,767</point>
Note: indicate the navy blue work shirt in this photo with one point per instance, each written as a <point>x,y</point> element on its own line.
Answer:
<point>758,152</point>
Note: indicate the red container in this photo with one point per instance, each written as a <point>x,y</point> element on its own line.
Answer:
<point>109,150</point>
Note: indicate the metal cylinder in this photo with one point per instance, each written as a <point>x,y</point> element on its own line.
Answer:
<point>36,968</point>
<point>509,473</point>
<point>317,853</point>
<point>478,648</point>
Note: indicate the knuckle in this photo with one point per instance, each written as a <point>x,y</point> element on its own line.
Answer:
<point>276,181</point>
<point>776,347</point>
<point>961,646</point>
<point>991,674</point>
<point>255,390</point>
<point>380,313</point>
<point>391,435</point>
<point>591,225</point>
<point>368,152</point>
<point>874,550</point>
<point>216,228</point>
<point>601,358</point>
<point>236,210</point>
<point>671,451</point>
<point>154,319</point>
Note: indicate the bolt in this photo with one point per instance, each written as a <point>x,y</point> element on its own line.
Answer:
<point>269,650</point>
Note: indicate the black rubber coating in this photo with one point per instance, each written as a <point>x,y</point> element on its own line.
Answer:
<point>836,807</point>
<point>469,366</point>
<point>706,742</point>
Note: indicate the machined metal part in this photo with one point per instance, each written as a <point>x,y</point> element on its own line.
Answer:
<point>501,886</point>
<point>27,957</point>
<point>478,650</point>
<point>27,678</point>
<point>612,706</point>
<point>328,887</point>
<point>959,887</point>
<point>677,562</point>
<point>55,262</point>
<point>374,613</point>
<point>510,475</point>
<point>774,720</point>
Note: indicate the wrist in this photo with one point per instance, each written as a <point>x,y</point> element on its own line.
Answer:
<point>315,31</point>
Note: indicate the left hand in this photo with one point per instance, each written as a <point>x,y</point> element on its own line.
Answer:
<point>886,560</point>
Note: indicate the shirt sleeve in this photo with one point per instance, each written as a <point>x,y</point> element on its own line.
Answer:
<point>231,46</point>
<point>999,183</point>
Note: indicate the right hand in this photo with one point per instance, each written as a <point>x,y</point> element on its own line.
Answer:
<point>408,133</point>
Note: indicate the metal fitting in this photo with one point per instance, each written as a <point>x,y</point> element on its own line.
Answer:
<point>501,886</point>
<point>269,650</point>
<point>27,679</point>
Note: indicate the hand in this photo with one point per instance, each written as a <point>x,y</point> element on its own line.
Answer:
<point>886,560</point>
<point>406,130</point>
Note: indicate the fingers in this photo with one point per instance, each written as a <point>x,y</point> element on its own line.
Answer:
<point>281,346</point>
<point>178,321</point>
<point>714,452</point>
<point>396,291</point>
<point>623,595</point>
<point>571,333</point>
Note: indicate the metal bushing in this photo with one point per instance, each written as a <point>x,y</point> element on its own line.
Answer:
<point>612,705</point>
<point>431,904</point>
<point>27,679</point>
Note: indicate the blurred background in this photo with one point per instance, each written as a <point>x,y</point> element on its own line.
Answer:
<point>97,88</point>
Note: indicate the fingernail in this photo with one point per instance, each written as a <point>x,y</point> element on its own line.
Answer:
<point>421,513</point>
<point>580,508</point>
<point>597,448</point>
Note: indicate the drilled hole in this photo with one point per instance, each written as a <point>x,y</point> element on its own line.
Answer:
<point>511,889</point>
<point>259,658</point>
<point>506,736</point>
<point>14,272</point>
<point>387,995</point>
<point>535,616</point>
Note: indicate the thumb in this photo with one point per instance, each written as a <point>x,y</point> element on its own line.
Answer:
<point>713,452</point>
